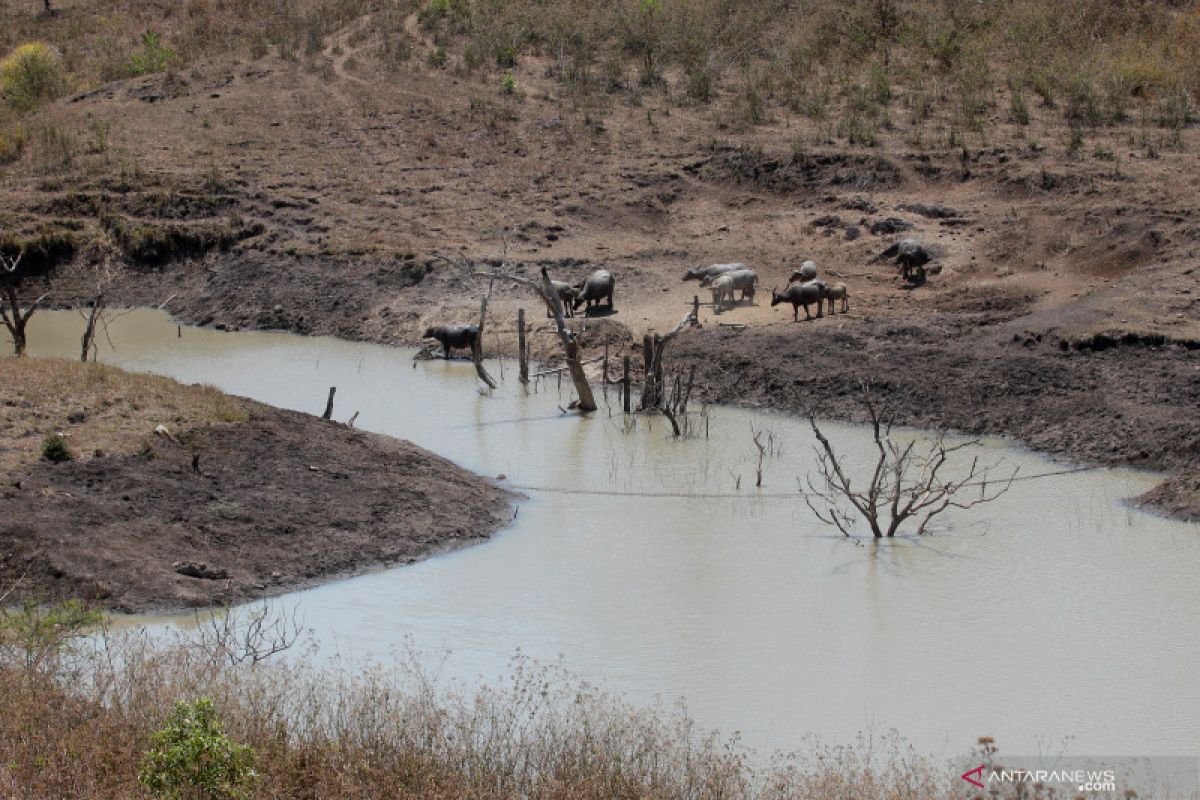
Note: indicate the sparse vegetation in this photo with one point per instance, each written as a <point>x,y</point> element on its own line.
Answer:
<point>103,409</point>
<point>1100,58</point>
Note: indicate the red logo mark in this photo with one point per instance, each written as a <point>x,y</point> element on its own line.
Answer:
<point>977,772</point>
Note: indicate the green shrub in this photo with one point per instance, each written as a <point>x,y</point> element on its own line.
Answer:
<point>38,638</point>
<point>31,75</point>
<point>155,57</point>
<point>437,58</point>
<point>56,449</point>
<point>191,758</point>
<point>508,84</point>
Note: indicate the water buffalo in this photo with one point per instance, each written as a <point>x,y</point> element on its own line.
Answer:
<point>711,271</point>
<point>722,290</point>
<point>838,292</point>
<point>807,272</point>
<point>461,336</point>
<point>566,295</point>
<point>595,288</point>
<point>911,257</point>
<point>801,294</point>
<point>744,281</point>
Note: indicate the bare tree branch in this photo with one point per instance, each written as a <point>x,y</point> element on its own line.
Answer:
<point>233,636</point>
<point>906,483</point>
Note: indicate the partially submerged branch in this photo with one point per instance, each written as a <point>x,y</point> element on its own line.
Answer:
<point>907,484</point>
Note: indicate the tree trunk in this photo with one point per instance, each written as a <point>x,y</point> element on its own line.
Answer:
<point>587,401</point>
<point>15,319</point>
<point>477,345</point>
<point>18,337</point>
<point>89,330</point>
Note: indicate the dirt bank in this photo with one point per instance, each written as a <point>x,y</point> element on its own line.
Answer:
<point>273,502</point>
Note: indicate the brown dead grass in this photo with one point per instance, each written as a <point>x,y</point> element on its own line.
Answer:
<point>397,732</point>
<point>101,409</point>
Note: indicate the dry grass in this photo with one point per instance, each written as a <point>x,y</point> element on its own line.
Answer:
<point>1095,62</point>
<point>100,408</point>
<point>398,732</point>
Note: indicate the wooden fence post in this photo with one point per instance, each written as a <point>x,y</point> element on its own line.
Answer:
<point>329,404</point>
<point>604,372</point>
<point>522,346</point>
<point>625,383</point>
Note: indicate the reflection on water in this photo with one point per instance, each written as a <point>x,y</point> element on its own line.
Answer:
<point>1054,612</point>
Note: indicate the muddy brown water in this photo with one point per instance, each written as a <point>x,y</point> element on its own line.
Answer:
<point>1053,618</point>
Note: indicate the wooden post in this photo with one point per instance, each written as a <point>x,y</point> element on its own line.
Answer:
<point>604,382</point>
<point>522,347</point>
<point>648,382</point>
<point>696,306</point>
<point>329,404</point>
<point>625,382</point>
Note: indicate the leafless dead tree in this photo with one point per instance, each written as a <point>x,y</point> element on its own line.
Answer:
<point>94,318</point>
<point>907,481</point>
<point>762,452</point>
<point>15,317</point>
<point>567,337</point>
<point>654,390</point>
<point>233,636</point>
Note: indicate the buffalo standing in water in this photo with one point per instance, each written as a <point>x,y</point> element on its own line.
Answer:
<point>594,289</point>
<point>460,336</point>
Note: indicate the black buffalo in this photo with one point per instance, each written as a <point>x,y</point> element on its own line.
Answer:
<point>460,336</point>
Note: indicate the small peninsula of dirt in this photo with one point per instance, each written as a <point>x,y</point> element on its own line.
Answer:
<point>230,511</point>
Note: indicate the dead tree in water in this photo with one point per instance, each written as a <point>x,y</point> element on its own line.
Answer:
<point>654,395</point>
<point>15,317</point>
<point>568,338</point>
<point>906,482</point>
<point>95,317</point>
<point>477,345</point>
